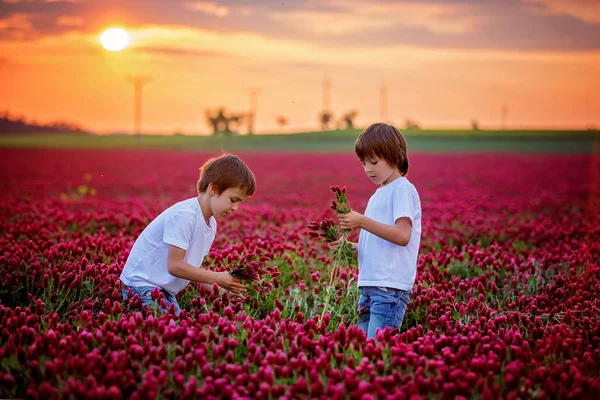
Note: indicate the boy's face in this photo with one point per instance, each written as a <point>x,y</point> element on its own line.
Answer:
<point>379,170</point>
<point>227,202</point>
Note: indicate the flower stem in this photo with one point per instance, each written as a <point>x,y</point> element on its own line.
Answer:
<point>339,257</point>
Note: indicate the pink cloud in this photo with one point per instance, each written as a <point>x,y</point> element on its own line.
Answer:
<point>584,10</point>
<point>353,16</point>
<point>207,7</point>
<point>17,26</point>
<point>69,20</point>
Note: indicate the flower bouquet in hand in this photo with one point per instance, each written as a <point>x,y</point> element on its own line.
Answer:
<point>251,268</point>
<point>340,204</point>
<point>330,232</point>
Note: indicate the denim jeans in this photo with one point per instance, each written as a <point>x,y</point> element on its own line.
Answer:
<point>381,307</point>
<point>145,294</point>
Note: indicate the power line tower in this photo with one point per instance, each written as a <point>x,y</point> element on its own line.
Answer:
<point>383,112</point>
<point>504,116</point>
<point>138,82</point>
<point>326,115</point>
<point>327,95</point>
<point>253,93</point>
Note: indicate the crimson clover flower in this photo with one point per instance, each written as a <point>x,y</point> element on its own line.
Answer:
<point>249,267</point>
<point>330,232</point>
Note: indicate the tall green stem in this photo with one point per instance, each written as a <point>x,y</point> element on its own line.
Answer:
<point>338,259</point>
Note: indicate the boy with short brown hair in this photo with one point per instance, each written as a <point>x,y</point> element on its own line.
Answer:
<point>390,230</point>
<point>168,253</point>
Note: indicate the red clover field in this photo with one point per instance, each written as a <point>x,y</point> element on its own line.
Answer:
<point>506,303</point>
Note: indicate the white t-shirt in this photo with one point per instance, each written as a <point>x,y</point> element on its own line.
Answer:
<point>382,263</point>
<point>181,225</point>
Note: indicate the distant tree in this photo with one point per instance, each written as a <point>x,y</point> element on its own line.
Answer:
<point>412,125</point>
<point>236,120</point>
<point>282,121</point>
<point>20,125</point>
<point>217,120</point>
<point>223,123</point>
<point>63,126</point>
<point>347,120</point>
<point>325,118</point>
<point>475,125</point>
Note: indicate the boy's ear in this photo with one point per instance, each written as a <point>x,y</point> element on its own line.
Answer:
<point>211,189</point>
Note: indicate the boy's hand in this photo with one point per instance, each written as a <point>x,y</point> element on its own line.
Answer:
<point>209,288</point>
<point>230,293</point>
<point>351,220</point>
<point>228,282</point>
<point>336,243</point>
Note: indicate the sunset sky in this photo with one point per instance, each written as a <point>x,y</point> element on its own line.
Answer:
<point>443,63</point>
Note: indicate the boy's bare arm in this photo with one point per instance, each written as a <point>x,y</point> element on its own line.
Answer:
<point>178,267</point>
<point>398,234</point>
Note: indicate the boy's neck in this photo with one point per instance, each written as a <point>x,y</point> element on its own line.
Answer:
<point>204,202</point>
<point>395,175</point>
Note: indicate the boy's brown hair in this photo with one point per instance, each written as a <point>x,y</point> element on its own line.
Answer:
<point>224,172</point>
<point>383,141</point>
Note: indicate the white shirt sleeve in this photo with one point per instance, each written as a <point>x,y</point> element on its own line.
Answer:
<point>179,229</point>
<point>403,203</point>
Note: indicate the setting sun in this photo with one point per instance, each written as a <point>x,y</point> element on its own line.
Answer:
<point>114,39</point>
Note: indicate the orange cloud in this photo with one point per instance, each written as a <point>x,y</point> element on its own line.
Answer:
<point>155,43</point>
<point>69,20</point>
<point>17,26</point>
<point>356,16</point>
<point>584,10</point>
<point>193,70</point>
<point>207,7</point>
<point>16,21</point>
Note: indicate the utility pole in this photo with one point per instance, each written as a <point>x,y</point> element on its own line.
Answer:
<point>138,82</point>
<point>326,115</point>
<point>504,116</point>
<point>383,103</point>
<point>252,113</point>
<point>327,95</point>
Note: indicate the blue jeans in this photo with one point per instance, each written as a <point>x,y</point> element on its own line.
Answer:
<point>145,294</point>
<point>381,307</point>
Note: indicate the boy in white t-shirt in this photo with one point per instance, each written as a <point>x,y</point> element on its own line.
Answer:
<point>168,253</point>
<point>390,230</point>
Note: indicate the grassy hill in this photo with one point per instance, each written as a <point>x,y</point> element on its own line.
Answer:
<point>327,141</point>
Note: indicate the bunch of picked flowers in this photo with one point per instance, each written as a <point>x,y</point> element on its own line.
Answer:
<point>340,204</point>
<point>250,268</point>
<point>326,228</point>
<point>330,232</point>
